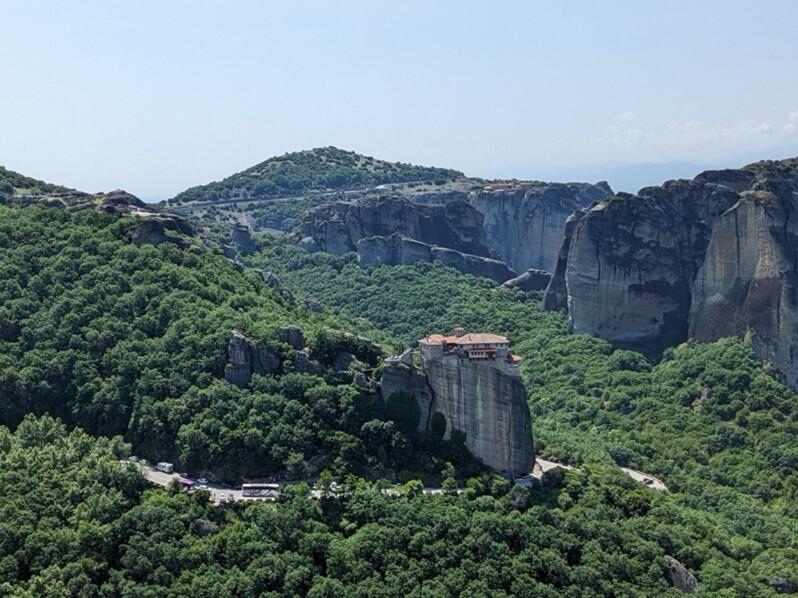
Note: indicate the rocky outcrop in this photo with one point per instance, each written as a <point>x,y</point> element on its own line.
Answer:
<point>303,364</point>
<point>525,222</point>
<point>473,264</point>
<point>679,576</point>
<point>556,296</point>
<point>242,239</point>
<point>119,202</point>
<point>154,229</point>
<point>244,358</point>
<point>706,258</point>
<point>749,280</point>
<point>483,399</point>
<point>531,280</point>
<point>488,404</point>
<point>403,377</point>
<point>292,336</point>
<point>399,250</point>
<point>337,227</point>
<point>394,250</point>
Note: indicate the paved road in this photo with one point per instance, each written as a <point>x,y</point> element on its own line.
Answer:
<point>191,207</point>
<point>220,494</point>
<point>542,466</point>
<point>644,478</point>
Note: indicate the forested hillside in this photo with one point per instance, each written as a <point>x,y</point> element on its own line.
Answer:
<point>312,170</point>
<point>119,338</point>
<point>129,340</point>
<point>12,183</point>
<point>75,522</point>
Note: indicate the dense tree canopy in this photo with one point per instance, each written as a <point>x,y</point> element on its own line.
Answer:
<point>128,343</point>
<point>12,184</point>
<point>312,170</point>
<point>77,522</point>
<point>131,339</point>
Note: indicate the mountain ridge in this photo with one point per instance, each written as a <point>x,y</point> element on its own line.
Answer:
<point>317,169</point>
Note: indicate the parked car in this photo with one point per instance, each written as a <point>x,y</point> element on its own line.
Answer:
<point>202,481</point>
<point>165,467</point>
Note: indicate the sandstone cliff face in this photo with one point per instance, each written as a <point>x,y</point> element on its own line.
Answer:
<point>749,279</point>
<point>402,377</point>
<point>556,296</point>
<point>398,250</point>
<point>531,280</point>
<point>336,228</point>
<point>705,258</point>
<point>525,225</point>
<point>489,405</point>
<point>480,398</point>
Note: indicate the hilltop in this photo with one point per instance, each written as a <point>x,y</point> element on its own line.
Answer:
<point>319,169</point>
<point>13,184</point>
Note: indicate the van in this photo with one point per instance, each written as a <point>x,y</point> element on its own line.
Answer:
<point>165,467</point>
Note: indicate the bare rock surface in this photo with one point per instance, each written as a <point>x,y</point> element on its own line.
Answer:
<point>242,240</point>
<point>337,227</point>
<point>398,377</point>
<point>293,336</point>
<point>396,250</point>
<point>531,280</point>
<point>706,258</point>
<point>525,222</point>
<point>680,577</point>
<point>489,405</point>
<point>480,398</point>
<point>244,358</point>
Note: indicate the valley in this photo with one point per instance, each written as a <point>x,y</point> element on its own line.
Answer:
<point>238,353</point>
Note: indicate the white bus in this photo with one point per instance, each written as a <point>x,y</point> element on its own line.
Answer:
<point>264,491</point>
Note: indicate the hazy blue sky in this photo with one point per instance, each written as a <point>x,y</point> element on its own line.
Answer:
<point>157,96</point>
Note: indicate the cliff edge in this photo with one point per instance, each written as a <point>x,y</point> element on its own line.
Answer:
<point>706,258</point>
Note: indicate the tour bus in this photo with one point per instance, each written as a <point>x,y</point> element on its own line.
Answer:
<point>263,491</point>
<point>165,467</point>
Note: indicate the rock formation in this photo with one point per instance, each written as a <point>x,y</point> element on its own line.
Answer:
<point>398,377</point>
<point>679,576</point>
<point>242,239</point>
<point>244,358</point>
<point>155,229</point>
<point>293,336</point>
<point>749,278</point>
<point>489,405</point>
<point>556,295</point>
<point>399,250</point>
<point>525,222</point>
<point>337,227</point>
<point>706,258</point>
<point>483,398</point>
<point>531,280</point>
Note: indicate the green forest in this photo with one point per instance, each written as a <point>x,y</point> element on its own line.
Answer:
<point>320,169</point>
<point>109,348</point>
<point>12,183</point>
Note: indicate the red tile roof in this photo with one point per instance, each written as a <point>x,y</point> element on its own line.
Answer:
<point>477,338</point>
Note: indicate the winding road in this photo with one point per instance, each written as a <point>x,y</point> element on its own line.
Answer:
<point>220,494</point>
